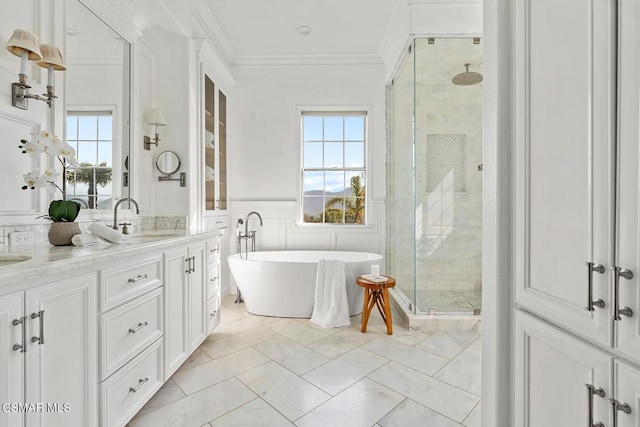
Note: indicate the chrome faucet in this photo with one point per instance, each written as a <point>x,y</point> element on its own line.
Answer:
<point>248,235</point>
<point>115,213</point>
<point>246,222</point>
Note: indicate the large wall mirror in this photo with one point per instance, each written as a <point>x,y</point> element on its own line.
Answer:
<point>97,108</point>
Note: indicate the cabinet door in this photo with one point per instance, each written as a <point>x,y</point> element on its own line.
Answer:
<point>628,231</point>
<point>222,152</point>
<point>11,360</point>
<point>627,391</point>
<point>210,129</point>
<point>61,362</point>
<point>197,296</point>
<point>176,300</point>
<point>564,125</point>
<point>552,370</point>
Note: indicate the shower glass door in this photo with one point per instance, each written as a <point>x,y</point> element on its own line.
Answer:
<point>434,176</point>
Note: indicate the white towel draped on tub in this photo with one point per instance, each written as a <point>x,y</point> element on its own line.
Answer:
<point>331,308</point>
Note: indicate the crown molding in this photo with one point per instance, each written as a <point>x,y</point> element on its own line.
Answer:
<point>210,28</point>
<point>212,61</point>
<point>305,60</point>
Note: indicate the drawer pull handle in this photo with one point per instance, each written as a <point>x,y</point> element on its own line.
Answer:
<point>213,279</point>
<point>140,383</point>
<point>191,265</point>
<point>619,272</point>
<point>39,315</point>
<point>591,391</point>
<point>140,326</point>
<point>214,314</point>
<point>598,268</point>
<point>213,251</point>
<point>619,406</point>
<point>140,277</point>
<point>22,347</point>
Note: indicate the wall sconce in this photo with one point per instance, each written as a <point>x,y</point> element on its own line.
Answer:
<point>26,45</point>
<point>156,118</point>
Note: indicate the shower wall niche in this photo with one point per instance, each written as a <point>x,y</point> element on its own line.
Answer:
<point>434,177</point>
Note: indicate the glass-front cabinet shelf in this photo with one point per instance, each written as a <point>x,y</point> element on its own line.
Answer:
<point>215,147</point>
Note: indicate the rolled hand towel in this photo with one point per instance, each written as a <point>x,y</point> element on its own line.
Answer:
<point>107,233</point>
<point>86,239</point>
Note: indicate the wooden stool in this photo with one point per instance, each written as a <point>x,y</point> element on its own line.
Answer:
<point>376,294</point>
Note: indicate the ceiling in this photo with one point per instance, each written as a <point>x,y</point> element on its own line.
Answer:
<point>267,29</point>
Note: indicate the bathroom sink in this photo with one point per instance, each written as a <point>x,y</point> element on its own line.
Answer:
<point>7,258</point>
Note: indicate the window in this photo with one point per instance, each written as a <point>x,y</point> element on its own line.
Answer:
<point>90,133</point>
<point>333,167</point>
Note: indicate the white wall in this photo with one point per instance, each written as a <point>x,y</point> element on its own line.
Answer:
<point>16,124</point>
<point>264,166</point>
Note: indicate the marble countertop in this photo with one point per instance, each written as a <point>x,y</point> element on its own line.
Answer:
<point>47,260</point>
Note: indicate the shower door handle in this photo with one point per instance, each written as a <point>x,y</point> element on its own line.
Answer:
<point>598,268</point>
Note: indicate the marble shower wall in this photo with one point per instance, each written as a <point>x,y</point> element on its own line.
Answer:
<point>447,226</point>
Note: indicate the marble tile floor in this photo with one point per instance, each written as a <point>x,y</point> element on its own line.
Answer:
<point>263,371</point>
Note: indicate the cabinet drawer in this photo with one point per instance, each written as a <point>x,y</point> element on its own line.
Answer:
<point>129,389</point>
<point>123,282</point>
<point>213,280</point>
<point>213,313</point>
<point>128,329</point>
<point>213,251</point>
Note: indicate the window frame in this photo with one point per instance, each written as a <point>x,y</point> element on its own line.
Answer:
<point>337,111</point>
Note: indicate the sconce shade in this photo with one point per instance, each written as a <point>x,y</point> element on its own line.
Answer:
<point>51,56</point>
<point>23,40</point>
<point>157,118</point>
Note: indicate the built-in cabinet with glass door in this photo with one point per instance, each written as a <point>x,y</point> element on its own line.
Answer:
<point>215,189</point>
<point>215,147</point>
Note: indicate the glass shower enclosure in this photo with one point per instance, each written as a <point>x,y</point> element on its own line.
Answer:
<point>434,177</point>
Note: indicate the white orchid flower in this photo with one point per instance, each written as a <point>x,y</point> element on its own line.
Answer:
<point>33,149</point>
<point>50,174</point>
<point>34,179</point>
<point>66,150</point>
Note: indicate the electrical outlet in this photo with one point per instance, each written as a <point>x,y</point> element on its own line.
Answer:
<point>20,238</point>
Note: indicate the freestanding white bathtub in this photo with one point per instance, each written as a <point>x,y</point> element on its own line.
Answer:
<point>282,283</point>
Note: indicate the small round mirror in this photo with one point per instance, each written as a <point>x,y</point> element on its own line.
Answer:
<point>168,162</point>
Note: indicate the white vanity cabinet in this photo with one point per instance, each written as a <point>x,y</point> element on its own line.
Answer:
<point>186,297</point>
<point>131,325</point>
<point>49,352</point>
<point>92,338</point>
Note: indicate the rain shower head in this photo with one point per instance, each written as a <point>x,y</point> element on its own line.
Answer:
<point>467,78</point>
